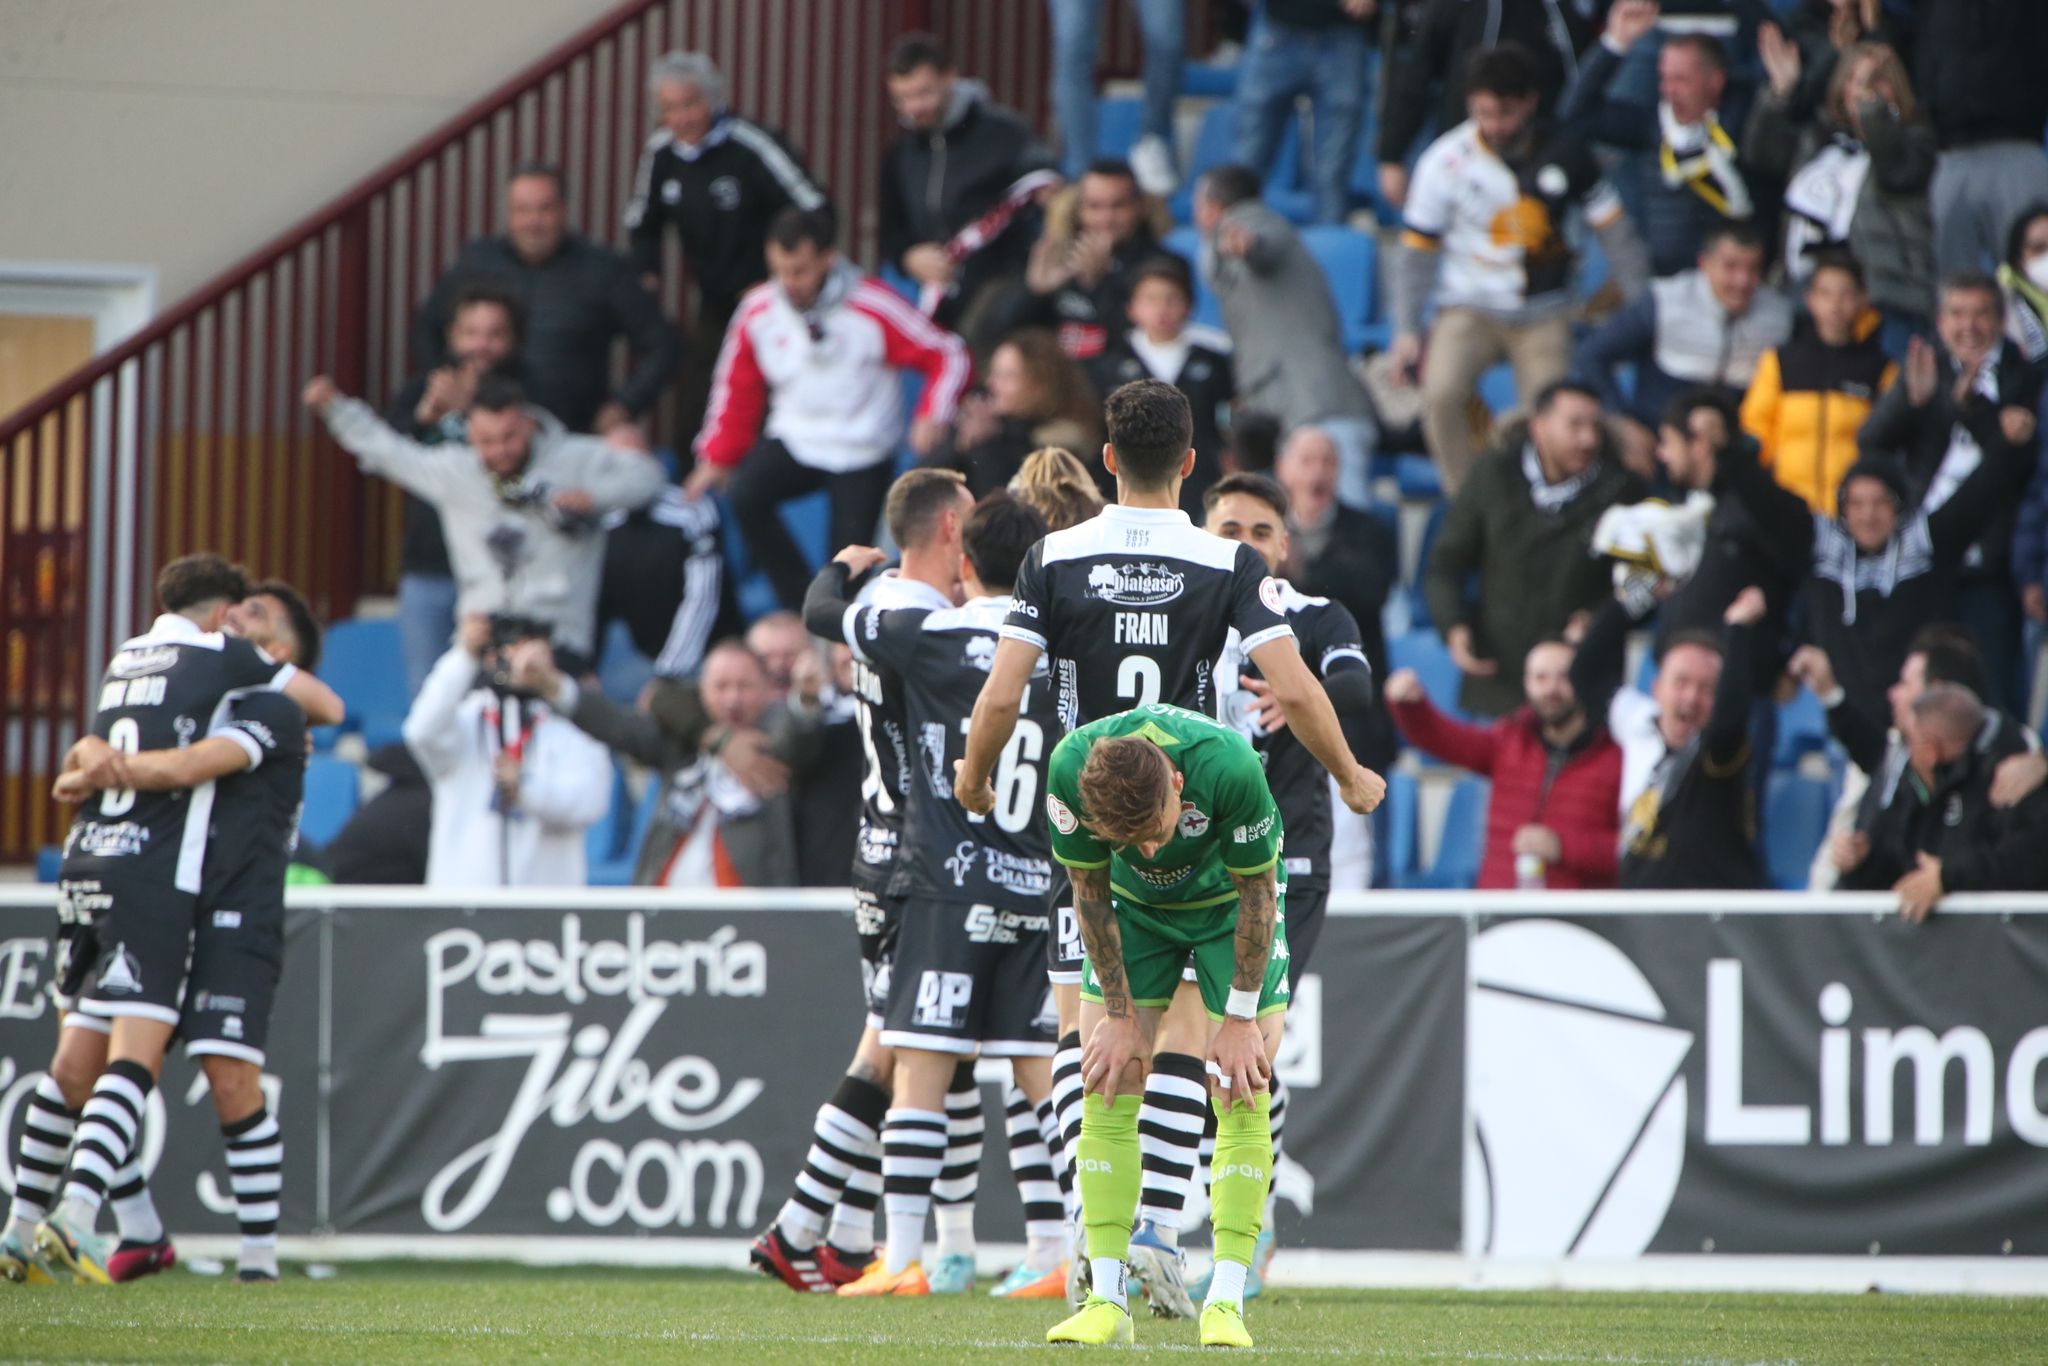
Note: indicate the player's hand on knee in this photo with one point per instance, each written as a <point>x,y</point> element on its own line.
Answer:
<point>1239,1054</point>
<point>1112,1048</point>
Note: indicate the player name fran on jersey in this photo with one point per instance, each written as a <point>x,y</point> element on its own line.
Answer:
<point>1144,628</point>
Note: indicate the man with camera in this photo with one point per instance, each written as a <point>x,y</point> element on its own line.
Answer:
<point>515,785</point>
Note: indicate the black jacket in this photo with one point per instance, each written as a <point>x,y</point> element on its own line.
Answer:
<point>1208,382</point>
<point>1979,70</point>
<point>1760,533</point>
<point>1359,567</point>
<point>1087,319</point>
<point>719,196</point>
<point>1447,33</point>
<point>936,183</point>
<point>1982,848</point>
<point>577,303</point>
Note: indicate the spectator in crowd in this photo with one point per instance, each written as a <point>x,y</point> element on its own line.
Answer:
<point>1056,484</point>
<point>1484,234</point>
<point>1523,524</point>
<point>716,180</point>
<point>1871,850</point>
<point>1553,819</point>
<point>2030,554</point>
<point>1253,442</point>
<point>1287,346</point>
<point>1709,325</point>
<point>1687,795</point>
<point>1314,48</point>
<point>723,753</point>
<point>386,841</point>
<point>664,577</point>
<point>960,188</point>
<point>1855,174</point>
<point>1076,36</point>
<point>483,336</point>
<point>1078,279</point>
<point>578,298</point>
<point>1162,345</point>
<point>515,785</point>
<point>1033,395</point>
<point>828,789</point>
<point>803,397</point>
<point>1973,844</point>
<point>1699,181</point>
<point>519,503</point>
<point>1978,68</point>
<point>1345,555</point>
<point>779,642</point>
<point>1449,35</point>
<point>1949,418</point>
<point>1809,397</point>
<point>2023,275</point>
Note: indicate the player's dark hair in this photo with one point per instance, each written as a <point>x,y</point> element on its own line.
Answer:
<point>1950,657</point>
<point>1505,69</point>
<point>1706,45</point>
<point>1263,487</point>
<point>1548,395</point>
<point>496,392</point>
<point>305,627</point>
<point>1168,267</point>
<point>1116,168</point>
<point>1151,428</point>
<point>1972,281</point>
<point>1736,232</point>
<point>1704,637</point>
<point>195,580</point>
<point>1836,258</point>
<point>544,170</point>
<point>998,534</point>
<point>792,227</point>
<point>1124,783</point>
<point>916,50</point>
<point>1229,184</point>
<point>470,295</point>
<point>915,501</point>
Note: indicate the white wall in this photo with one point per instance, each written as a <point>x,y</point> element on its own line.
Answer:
<point>181,134</point>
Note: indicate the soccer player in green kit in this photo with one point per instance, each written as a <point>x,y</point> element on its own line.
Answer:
<point>1165,822</point>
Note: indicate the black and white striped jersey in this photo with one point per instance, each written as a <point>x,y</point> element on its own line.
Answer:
<point>1002,859</point>
<point>256,811</point>
<point>1133,607</point>
<point>878,708</point>
<point>1329,640</point>
<point>163,689</point>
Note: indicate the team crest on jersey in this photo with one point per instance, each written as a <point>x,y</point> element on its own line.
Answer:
<point>1142,584</point>
<point>136,663</point>
<point>1193,824</point>
<point>981,653</point>
<point>1270,593</point>
<point>1061,815</point>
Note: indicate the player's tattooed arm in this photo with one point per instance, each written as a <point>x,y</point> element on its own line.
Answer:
<point>1258,913</point>
<point>1104,942</point>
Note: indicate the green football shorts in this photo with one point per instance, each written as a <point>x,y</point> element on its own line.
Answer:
<point>1159,944</point>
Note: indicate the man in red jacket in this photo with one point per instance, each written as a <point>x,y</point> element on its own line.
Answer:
<point>1556,806</point>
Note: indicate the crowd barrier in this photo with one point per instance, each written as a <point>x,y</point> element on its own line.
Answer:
<point>1590,1086</point>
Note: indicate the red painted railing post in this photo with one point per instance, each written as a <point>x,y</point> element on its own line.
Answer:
<point>352,276</point>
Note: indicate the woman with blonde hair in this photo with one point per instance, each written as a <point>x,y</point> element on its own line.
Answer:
<point>1033,396</point>
<point>1056,485</point>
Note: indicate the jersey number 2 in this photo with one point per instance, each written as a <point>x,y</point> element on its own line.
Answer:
<point>1137,678</point>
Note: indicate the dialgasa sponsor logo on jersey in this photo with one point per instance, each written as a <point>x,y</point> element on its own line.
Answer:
<point>980,653</point>
<point>583,1076</point>
<point>151,659</point>
<point>1142,583</point>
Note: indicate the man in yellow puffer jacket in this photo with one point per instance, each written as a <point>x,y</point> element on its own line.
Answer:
<point>1810,396</point>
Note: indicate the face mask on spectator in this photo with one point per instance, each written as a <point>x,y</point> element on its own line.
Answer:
<point>2037,271</point>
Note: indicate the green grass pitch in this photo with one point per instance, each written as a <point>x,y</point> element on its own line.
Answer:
<point>415,1314</point>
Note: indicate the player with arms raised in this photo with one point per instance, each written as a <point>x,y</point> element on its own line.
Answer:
<point>1165,822</point>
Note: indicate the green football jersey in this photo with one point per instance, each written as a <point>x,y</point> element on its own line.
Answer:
<point>1229,823</point>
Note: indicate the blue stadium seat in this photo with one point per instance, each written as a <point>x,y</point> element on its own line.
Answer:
<point>607,854</point>
<point>1418,604</point>
<point>1463,839</point>
<point>621,669</point>
<point>1349,259</point>
<point>1118,121</point>
<point>332,790</point>
<point>1417,477</point>
<point>1497,389</point>
<point>49,863</point>
<point>1209,80</point>
<point>1424,652</point>
<point>1802,729</point>
<point>362,661</point>
<point>1186,242</point>
<point>1394,860</point>
<point>1593,270</point>
<point>1215,145</point>
<point>1799,808</point>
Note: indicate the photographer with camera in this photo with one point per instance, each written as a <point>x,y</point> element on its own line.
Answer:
<point>515,785</point>
<point>522,501</point>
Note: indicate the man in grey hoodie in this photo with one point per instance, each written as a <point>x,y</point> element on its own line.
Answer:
<point>521,503</point>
